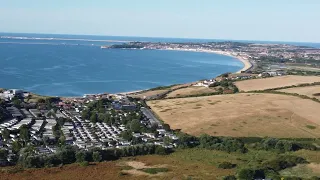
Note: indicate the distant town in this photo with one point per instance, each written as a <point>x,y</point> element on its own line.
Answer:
<point>258,58</point>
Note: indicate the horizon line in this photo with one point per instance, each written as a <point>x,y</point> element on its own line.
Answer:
<point>162,37</point>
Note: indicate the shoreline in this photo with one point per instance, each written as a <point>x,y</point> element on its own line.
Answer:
<point>247,65</point>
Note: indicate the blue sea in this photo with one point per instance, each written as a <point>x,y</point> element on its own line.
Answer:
<point>73,65</point>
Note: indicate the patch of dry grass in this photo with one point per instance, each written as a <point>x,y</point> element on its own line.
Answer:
<point>242,115</point>
<point>275,82</point>
<point>192,90</point>
<point>310,91</point>
<point>149,93</point>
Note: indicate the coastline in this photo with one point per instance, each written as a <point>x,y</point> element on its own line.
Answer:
<point>245,61</point>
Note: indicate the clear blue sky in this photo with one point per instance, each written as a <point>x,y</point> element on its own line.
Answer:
<point>282,20</point>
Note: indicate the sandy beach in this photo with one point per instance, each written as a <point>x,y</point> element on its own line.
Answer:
<point>244,60</point>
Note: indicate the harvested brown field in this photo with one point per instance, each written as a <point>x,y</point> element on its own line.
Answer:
<point>275,82</point>
<point>192,90</point>
<point>150,93</point>
<point>242,115</point>
<point>310,91</point>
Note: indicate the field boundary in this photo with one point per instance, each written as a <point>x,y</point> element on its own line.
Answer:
<point>293,86</point>
<point>285,93</point>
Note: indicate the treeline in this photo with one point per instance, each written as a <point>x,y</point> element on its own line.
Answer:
<point>285,60</point>
<point>213,143</point>
<point>229,144</point>
<point>275,91</point>
<point>162,87</point>
<point>303,72</point>
<point>270,168</point>
<point>226,84</point>
<point>70,154</point>
<point>282,145</point>
<point>126,46</point>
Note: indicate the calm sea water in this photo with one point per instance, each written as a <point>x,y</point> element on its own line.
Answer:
<point>69,65</point>
<point>77,67</point>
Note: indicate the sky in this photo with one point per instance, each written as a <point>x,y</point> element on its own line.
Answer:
<point>267,20</point>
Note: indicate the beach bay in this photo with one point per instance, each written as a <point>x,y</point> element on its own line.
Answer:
<point>76,67</point>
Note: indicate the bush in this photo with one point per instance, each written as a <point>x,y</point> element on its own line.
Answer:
<point>161,150</point>
<point>84,163</point>
<point>226,165</point>
<point>122,173</point>
<point>292,178</point>
<point>246,174</point>
<point>284,145</point>
<point>231,177</point>
<point>96,156</point>
<point>315,178</point>
<point>271,174</point>
<point>283,162</point>
<point>154,170</point>
<point>222,144</point>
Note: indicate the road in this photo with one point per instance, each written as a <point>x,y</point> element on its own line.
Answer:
<point>153,120</point>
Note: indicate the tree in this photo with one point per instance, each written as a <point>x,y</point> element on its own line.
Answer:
<point>154,128</point>
<point>33,162</point>
<point>67,155</point>
<point>41,101</point>
<point>127,135</point>
<point>166,127</point>
<point>96,156</point>
<point>6,134</point>
<point>187,141</point>
<point>51,160</point>
<point>62,140</point>
<point>135,126</point>
<point>81,156</point>
<point>245,174</point>
<point>167,141</point>
<point>2,102</point>
<point>226,165</point>
<point>17,103</point>
<point>16,146</point>
<point>161,150</point>
<point>136,140</point>
<point>24,133</point>
<point>85,114</point>
<point>94,118</point>
<point>3,154</point>
<point>230,177</point>
<point>61,121</point>
<point>113,143</point>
